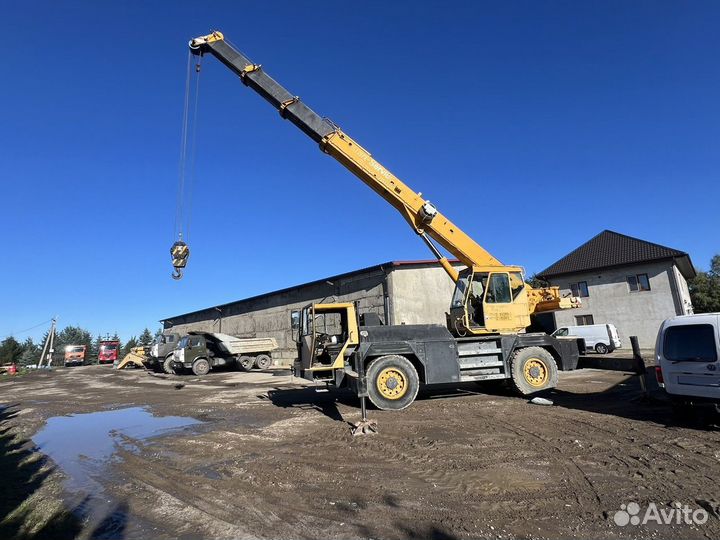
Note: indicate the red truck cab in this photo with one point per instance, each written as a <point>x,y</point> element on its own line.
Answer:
<point>108,351</point>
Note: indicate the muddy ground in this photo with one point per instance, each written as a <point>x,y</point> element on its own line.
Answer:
<point>272,459</point>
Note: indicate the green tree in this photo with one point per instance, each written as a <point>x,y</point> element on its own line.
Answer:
<point>95,349</point>
<point>146,337</point>
<point>132,342</point>
<point>10,350</point>
<point>73,335</point>
<point>31,352</point>
<point>536,283</point>
<point>705,288</point>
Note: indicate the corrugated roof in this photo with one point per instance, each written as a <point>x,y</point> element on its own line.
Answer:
<point>610,248</point>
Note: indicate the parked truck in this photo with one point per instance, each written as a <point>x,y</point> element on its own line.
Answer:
<point>161,351</point>
<point>202,351</point>
<point>108,351</point>
<point>75,355</point>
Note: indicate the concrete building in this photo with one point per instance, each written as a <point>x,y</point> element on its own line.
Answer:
<point>622,280</point>
<point>405,292</point>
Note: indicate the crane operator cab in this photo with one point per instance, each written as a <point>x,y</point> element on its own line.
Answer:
<point>489,302</point>
<point>326,334</point>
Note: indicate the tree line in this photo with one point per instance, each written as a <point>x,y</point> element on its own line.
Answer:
<point>705,288</point>
<point>28,352</point>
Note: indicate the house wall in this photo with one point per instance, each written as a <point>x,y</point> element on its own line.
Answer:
<point>686,307</point>
<point>633,313</point>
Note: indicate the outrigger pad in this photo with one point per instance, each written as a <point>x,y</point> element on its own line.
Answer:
<point>364,427</point>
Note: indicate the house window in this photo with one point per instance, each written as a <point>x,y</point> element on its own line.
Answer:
<point>638,282</point>
<point>583,320</point>
<point>580,289</point>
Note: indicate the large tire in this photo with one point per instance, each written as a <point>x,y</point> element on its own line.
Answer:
<point>246,363</point>
<point>392,382</point>
<point>201,367</point>
<point>263,361</point>
<point>601,348</point>
<point>533,371</point>
<point>167,365</point>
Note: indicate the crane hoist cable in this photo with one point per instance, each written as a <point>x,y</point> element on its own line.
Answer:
<point>180,251</point>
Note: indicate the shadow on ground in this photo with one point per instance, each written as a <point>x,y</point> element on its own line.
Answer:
<point>23,472</point>
<point>624,400</point>
<point>309,398</point>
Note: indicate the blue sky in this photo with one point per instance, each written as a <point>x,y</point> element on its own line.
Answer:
<point>532,125</point>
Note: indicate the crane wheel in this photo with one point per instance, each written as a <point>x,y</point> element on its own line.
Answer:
<point>167,365</point>
<point>392,382</point>
<point>263,361</point>
<point>201,367</point>
<point>246,363</point>
<point>533,371</point>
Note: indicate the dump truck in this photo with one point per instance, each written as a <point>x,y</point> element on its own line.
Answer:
<point>161,351</point>
<point>75,355</point>
<point>486,335</point>
<point>108,351</point>
<point>202,351</point>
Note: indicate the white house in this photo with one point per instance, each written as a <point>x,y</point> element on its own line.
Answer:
<point>629,282</point>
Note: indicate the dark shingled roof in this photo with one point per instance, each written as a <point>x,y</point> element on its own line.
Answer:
<point>614,249</point>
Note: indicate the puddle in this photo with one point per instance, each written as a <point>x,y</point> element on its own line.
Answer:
<point>82,445</point>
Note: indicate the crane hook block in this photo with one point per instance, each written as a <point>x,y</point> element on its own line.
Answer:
<point>179,253</point>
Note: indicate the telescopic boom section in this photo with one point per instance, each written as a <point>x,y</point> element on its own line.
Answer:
<point>422,216</point>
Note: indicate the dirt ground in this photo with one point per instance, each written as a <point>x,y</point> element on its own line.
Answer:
<point>273,459</point>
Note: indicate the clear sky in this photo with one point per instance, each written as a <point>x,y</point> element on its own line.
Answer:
<point>533,125</point>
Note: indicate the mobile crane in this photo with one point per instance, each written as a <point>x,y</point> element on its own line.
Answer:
<point>485,337</point>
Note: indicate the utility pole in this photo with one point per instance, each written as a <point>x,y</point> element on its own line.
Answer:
<point>48,346</point>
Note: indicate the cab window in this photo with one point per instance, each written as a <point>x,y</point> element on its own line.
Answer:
<point>517,284</point>
<point>307,315</point>
<point>460,289</point>
<point>498,289</point>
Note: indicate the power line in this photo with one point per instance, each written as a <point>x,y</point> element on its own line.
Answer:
<point>11,334</point>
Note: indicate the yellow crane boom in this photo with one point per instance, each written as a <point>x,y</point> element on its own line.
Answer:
<point>420,213</point>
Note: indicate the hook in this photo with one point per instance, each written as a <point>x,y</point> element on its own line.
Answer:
<point>179,253</point>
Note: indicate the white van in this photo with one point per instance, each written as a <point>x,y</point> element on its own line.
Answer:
<point>602,338</point>
<point>687,354</point>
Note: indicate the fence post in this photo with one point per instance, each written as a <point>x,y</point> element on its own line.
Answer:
<point>639,364</point>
